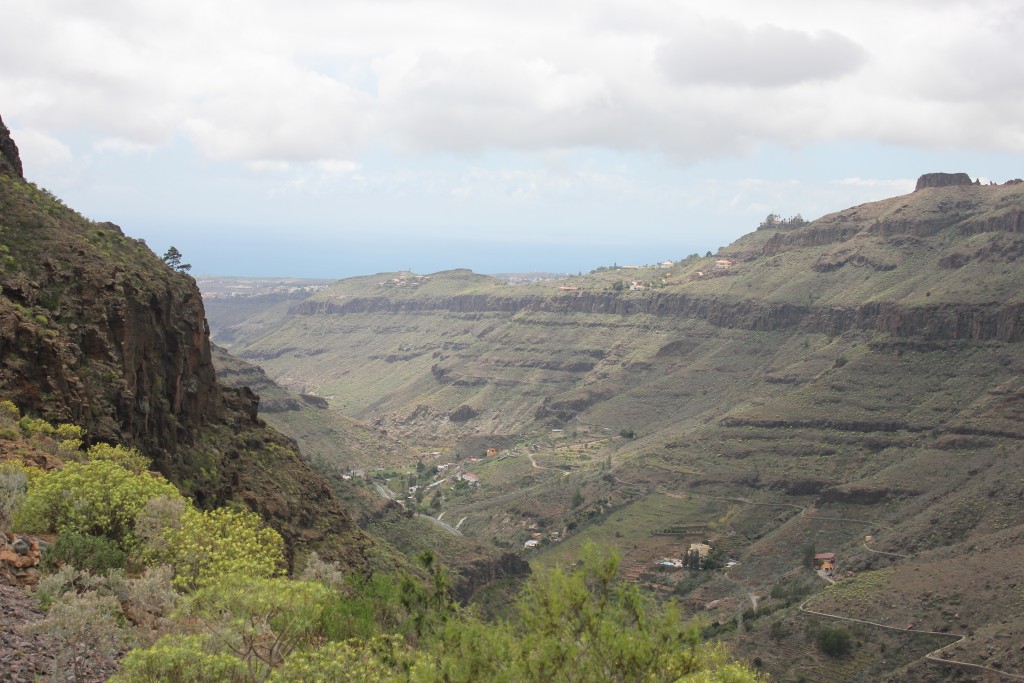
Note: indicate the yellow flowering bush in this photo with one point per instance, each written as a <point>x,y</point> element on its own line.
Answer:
<point>98,498</point>
<point>352,660</point>
<point>207,545</point>
<point>128,458</point>
<point>180,659</point>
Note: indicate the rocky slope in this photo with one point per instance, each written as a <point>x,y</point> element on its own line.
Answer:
<point>96,330</point>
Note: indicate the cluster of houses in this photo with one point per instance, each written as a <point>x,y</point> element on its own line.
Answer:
<point>536,537</point>
<point>458,474</point>
<point>697,553</point>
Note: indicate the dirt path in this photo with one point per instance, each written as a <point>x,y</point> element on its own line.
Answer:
<point>933,656</point>
<point>882,552</point>
<point>534,462</point>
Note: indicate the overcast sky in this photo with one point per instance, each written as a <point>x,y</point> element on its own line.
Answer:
<point>328,138</point>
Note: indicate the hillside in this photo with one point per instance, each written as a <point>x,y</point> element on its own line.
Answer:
<point>97,331</point>
<point>808,386</point>
<point>334,444</point>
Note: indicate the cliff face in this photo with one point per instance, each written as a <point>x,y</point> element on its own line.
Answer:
<point>936,322</point>
<point>10,161</point>
<point>942,180</point>
<point>95,329</point>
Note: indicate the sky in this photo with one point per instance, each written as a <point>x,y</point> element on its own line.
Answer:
<point>327,138</point>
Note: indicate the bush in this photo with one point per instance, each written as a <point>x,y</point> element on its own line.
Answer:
<point>180,659</point>
<point>270,618</point>
<point>81,627</point>
<point>13,485</point>
<point>207,545</point>
<point>98,498</point>
<point>9,411</point>
<point>30,426</point>
<point>92,553</point>
<point>150,600</point>
<point>53,587</point>
<point>356,661</point>
<point>835,642</point>
<point>128,458</point>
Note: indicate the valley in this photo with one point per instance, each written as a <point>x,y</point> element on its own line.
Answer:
<point>805,388</point>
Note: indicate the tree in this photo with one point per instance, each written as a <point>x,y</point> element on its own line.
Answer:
<point>835,642</point>
<point>172,257</point>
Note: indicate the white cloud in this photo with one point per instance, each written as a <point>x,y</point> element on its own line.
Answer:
<point>122,146</point>
<point>730,54</point>
<point>259,81</point>
<point>39,150</point>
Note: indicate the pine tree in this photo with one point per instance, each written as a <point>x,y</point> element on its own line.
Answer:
<point>172,257</point>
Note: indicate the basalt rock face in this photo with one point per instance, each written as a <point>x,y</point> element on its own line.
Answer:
<point>942,180</point>
<point>939,322</point>
<point>120,348</point>
<point>96,330</point>
<point>486,571</point>
<point>10,161</point>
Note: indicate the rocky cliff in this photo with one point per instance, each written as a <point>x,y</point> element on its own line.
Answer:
<point>942,180</point>
<point>96,330</point>
<point>10,160</point>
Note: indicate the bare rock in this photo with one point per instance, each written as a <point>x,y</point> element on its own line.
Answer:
<point>10,160</point>
<point>942,180</point>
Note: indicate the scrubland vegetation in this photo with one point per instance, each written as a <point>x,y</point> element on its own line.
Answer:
<point>183,594</point>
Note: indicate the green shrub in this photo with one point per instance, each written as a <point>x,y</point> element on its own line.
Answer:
<point>260,620</point>
<point>9,411</point>
<point>128,458</point>
<point>204,546</point>
<point>13,485</point>
<point>835,642</point>
<point>30,426</point>
<point>180,659</point>
<point>369,661</point>
<point>94,553</point>
<point>98,498</point>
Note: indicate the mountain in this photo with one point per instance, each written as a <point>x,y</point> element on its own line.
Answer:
<point>96,330</point>
<point>811,385</point>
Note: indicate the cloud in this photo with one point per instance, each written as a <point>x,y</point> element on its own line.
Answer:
<point>261,82</point>
<point>122,146</point>
<point>729,54</point>
<point>40,150</point>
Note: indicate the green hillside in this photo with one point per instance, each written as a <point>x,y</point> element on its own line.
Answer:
<point>808,386</point>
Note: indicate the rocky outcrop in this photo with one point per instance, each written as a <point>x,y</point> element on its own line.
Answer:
<point>96,330</point>
<point>470,578</point>
<point>942,180</point>
<point>19,558</point>
<point>10,160</point>
<point>120,349</point>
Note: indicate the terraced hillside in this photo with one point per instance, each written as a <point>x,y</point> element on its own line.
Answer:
<point>808,386</point>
